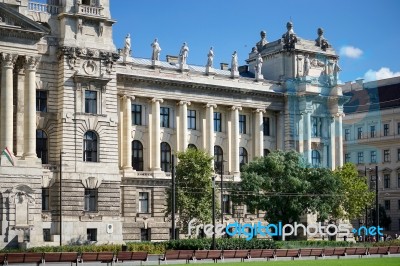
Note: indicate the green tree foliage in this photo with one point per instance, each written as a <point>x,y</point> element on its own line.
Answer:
<point>356,195</point>
<point>283,186</point>
<point>193,188</point>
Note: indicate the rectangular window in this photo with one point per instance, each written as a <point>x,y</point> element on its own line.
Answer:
<point>316,126</point>
<point>398,204</point>
<point>90,200</point>
<point>398,179</point>
<point>217,122</point>
<point>386,130</point>
<point>145,234</point>
<point>91,102</point>
<point>242,124</point>
<point>360,157</point>
<point>164,116</point>
<point>372,132</point>
<point>387,205</point>
<point>347,134</point>
<point>347,158</point>
<point>191,119</point>
<point>386,180</point>
<point>45,199</point>
<point>46,235</point>
<point>226,206</point>
<point>91,234</point>
<point>386,155</point>
<point>143,202</point>
<point>373,156</point>
<point>359,133</point>
<point>41,101</point>
<point>266,126</point>
<point>398,128</point>
<point>398,154</point>
<point>136,114</point>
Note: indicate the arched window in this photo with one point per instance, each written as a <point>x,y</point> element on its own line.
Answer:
<point>243,157</point>
<point>165,157</point>
<point>137,155</point>
<point>192,146</point>
<point>90,147</point>
<point>41,146</point>
<point>315,158</point>
<point>218,157</point>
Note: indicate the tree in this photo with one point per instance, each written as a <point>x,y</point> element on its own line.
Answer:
<point>193,188</point>
<point>355,193</point>
<point>285,187</point>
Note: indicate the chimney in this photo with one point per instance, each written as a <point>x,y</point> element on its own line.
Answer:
<point>224,66</point>
<point>172,59</point>
<point>243,69</point>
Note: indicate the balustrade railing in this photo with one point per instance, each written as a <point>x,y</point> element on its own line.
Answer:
<point>89,10</point>
<point>43,8</point>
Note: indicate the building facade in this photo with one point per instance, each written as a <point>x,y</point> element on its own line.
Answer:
<point>91,130</point>
<point>371,132</point>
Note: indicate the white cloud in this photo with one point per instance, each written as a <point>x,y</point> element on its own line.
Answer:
<point>351,51</point>
<point>382,73</point>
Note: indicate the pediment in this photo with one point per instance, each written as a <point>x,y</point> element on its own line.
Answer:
<point>17,25</point>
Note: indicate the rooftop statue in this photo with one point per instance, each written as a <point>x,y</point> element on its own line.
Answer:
<point>210,56</point>
<point>234,62</point>
<point>261,44</point>
<point>321,41</point>
<point>183,54</point>
<point>155,56</point>
<point>127,47</point>
<point>289,38</point>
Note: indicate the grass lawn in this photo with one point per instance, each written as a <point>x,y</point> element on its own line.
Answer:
<point>322,262</point>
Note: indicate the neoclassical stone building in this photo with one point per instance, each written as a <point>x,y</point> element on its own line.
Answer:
<point>92,129</point>
<point>372,138</point>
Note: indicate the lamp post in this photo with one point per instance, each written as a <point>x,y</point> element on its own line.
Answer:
<point>213,213</point>
<point>173,197</point>
<point>222,195</point>
<point>376,199</point>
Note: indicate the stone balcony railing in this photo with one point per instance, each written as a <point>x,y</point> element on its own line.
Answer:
<point>90,10</point>
<point>44,8</point>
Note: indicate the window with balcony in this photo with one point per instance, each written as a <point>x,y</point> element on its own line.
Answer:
<point>164,116</point>
<point>136,114</point>
<point>217,122</point>
<point>386,180</point>
<point>386,130</point>
<point>242,124</point>
<point>386,156</point>
<point>137,155</point>
<point>360,157</point>
<point>191,119</point>
<point>165,157</point>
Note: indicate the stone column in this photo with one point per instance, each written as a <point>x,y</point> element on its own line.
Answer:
<point>308,136</point>
<point>339,137</point>
<point>235,139</point>
<point>6,109</point>
<point>332,144</point>
<point>30,107</point>
<point>210,128</point>
<point>127,132</point>
<point>258,133</point>
<point>155,143</point>
<point>183,126</point>
<point>301,133</point>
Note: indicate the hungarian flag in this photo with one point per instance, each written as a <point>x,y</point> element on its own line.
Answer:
<point>6,152</point>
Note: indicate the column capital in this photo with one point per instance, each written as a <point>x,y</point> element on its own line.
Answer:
<point>184,103</point>
<point>31,62</point>
<point>157,100</point>
<point>339,115</point>
<point>8,60</point>
<point>126,97</point>
<point>259,110</point>
<point>208,105</point>
<point>234,108</point>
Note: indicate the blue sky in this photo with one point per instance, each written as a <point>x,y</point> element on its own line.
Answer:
<point>365,34</point>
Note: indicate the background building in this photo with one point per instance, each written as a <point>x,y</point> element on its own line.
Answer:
<point>103,125</point>
<point>371,132</point>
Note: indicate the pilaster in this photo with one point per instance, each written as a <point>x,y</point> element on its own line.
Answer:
<point>235,139</point>
<point>258,133</point>
<point>154,134</point>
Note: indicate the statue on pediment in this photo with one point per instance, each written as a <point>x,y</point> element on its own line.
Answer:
<point>289,38</point>
<point>155,56</point>
<point>210,57</point>
<point>183,54</point>
<point>321,41</point>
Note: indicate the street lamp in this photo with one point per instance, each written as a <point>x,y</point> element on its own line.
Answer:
<point>213,212</point>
